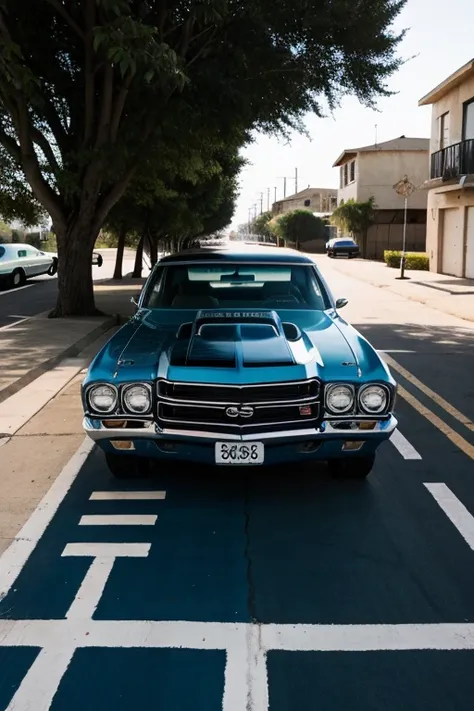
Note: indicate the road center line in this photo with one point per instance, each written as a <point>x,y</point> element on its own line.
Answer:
<point>455,438</point>
<point>127,496</point>
<point>403,445</point>
<point>440,401</point>
<point>454,510</point>
<point>118,520</point>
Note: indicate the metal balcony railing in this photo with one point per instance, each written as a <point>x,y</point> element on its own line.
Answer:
<point>453,161</point>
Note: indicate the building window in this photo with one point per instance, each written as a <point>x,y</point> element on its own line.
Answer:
<point>443,131</point>
<point>307,203</point>
<point>352,167</point>
<point>468,121</point>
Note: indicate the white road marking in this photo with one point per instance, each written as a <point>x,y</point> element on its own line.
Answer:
<point>41,682</point>
<point>16,555</point>
<point>401,443</point>
<point>11,325</point>
<point>107,550</point>
<point>19,288</point>
<point>118,520</point>
<point>127,496</point>
<point>88,596</point>
<point>454,510</point>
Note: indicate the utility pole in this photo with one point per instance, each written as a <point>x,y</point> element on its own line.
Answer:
<point>261,203</point>
<point>296,180</point>
<point>268,199</point>
<point>275,189</point>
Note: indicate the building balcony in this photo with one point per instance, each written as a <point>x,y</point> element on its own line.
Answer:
<point>453,161</point>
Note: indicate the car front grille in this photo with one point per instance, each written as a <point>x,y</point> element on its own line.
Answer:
<point>248,408</point>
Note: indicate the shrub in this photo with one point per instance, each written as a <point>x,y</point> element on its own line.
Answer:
<point>413,260</point>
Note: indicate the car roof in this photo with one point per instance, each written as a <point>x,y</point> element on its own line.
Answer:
<point>17,245</point>
<point>241,252</point>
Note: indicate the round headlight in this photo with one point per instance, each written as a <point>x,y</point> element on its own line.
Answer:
<point>103,398</point>
<point>339,399</point>
<point>373,399</point>
<point>137,399</point>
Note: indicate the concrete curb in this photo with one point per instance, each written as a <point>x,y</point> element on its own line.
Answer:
<point>70,352</point>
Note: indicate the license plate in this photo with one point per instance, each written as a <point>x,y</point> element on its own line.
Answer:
<point>240,453</point>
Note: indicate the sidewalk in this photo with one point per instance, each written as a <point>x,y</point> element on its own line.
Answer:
<point>451,295</point>
<point>35,346</point>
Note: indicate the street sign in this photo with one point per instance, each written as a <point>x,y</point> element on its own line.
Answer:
<point>405,188</point>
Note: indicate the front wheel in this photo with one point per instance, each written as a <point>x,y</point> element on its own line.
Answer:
<point>18,278</point>
<point>351,467</point>
<point>126,466</point>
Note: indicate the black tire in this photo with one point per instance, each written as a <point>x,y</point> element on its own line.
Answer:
<point>351,467</point>
<point>127,466</point>
<point>17,278</point>
<point>53,268</point>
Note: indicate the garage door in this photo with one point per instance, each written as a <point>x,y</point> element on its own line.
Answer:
<point>470,243</point>
<point>452,242</point>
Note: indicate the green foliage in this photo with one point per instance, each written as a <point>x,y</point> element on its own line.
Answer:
<point>260,225</point>
<point>97,88</point>
<point>300,226</point>
<point>413,260</point>
<point>354,217</point>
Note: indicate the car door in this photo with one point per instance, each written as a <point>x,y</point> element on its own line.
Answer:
<point>21,260</point>
<point>38,262</point>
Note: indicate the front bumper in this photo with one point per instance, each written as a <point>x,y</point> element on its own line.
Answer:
<point>327,442</point>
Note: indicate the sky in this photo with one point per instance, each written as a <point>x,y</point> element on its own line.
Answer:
<point>439,40</point>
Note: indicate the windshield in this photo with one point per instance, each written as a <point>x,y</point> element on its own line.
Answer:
<point>273,286</point>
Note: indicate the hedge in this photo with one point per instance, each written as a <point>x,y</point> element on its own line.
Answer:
<point>413,260</point>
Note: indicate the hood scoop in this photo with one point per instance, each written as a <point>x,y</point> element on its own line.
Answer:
<point>232,340</point>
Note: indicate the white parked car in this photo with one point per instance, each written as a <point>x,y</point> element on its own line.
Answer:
<point>19,262</point>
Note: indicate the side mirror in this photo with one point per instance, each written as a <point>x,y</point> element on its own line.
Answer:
<point>340,303</point>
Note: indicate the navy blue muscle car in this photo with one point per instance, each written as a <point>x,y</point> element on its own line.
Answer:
<point>238,356</point>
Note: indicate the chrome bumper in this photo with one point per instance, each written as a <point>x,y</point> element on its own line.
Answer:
<point>96,431</point>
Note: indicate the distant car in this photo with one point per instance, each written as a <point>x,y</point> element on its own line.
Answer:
<point>238,357</point>
<point>19,262</point>
<point>97,259</point>
<point>344,246</point>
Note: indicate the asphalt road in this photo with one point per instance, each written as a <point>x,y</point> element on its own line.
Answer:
<point>40,294</point>
<point>255,590</point>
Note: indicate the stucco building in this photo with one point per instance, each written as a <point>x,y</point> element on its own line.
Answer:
<point>373,171</point>
<point>321,201</point>
<point>450,184</point>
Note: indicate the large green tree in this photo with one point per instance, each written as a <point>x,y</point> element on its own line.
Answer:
<point>299,226</point>
<point>86,84</point>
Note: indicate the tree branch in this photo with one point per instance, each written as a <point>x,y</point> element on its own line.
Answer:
<point>57,4</point>
<point>29,160</point>
<point>106,107</point>
<point>112,197</point>
<point>43,143</point>
<point>10,145</point>
<point>89,74</point>
<point>119,106</point>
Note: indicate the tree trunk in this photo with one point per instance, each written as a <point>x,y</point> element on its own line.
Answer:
<point>75,285</point>
<point>120,250</point>
<point>137,269</point>
<point>153,251</point>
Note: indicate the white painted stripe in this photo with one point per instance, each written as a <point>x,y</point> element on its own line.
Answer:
<point>127,496</point>
<point>19,288</point>
<point>454,510</point>
<point>41,682</point>
<point>16,555</point>
<point>89,594</point>
<point>118,520</point>
<point>11,325</point>
<point>228,635</point>
<point>107,550</point>
<point>403,445</point>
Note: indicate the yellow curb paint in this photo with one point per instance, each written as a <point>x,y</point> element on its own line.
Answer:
<point>455,438</point>
<point>444,404</point>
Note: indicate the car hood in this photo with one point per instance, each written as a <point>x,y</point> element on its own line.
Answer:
<point>247,346</point>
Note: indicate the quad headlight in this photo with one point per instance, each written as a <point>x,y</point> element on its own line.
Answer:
<point>103,398</point>
<point>373,399</point>
<point>137,399</point>
<point>340,399</point>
